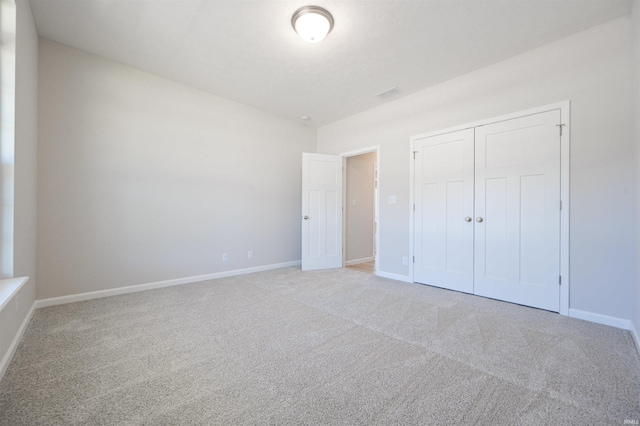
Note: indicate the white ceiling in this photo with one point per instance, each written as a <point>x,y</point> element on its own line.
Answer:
<point>247,51</point>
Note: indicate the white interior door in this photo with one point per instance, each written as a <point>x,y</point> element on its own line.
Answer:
<point>443,194</point>
<point>517,208</point>
<point>321,211</point>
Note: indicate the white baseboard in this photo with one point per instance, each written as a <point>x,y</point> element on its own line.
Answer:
<point>356,261</point>
<point>396,277</point>
<point>42,303</point>
<point>600,319</point>
<point>6,359</point>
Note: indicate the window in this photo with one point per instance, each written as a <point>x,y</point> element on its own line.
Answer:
<point>7,132</point>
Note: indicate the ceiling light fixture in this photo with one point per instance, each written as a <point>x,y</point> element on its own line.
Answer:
<point>312,23</point>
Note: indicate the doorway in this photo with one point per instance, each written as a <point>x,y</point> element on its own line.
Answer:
<point>330,238</point>
<point>360,216</point>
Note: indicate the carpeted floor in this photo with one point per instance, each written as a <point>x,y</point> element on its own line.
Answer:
<point>331,347</point>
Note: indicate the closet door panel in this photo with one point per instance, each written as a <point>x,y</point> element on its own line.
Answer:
<point>443,239</point>
<point>517,227</point>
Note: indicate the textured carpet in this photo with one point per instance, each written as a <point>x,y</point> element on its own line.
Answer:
<point>330,347</point>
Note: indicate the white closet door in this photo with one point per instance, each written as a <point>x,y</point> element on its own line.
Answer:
<point>517,225</point>
<point>443,243</point>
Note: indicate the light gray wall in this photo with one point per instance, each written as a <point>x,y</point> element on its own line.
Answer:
<point>636,72</point>
<point>593,70</point>
<point>359,217</point>
<point>142,179</point>
<point>26,113</point>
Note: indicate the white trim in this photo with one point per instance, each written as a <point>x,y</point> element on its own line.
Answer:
<point>376,237</point>
<point>9,287</point>
<point>8,356</point>
<point>375,148</point>
<point>565,165</point>
<point>412,201</point>
<point>42,303</point>
<point>357,261</point>
<point>601,319</point>
<point>397,277</point>
<point>492,120</point>
<point>565,149</point>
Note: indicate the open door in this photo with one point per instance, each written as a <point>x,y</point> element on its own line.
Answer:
<point>321,211</point>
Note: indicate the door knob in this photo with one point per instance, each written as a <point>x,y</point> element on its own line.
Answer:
<point>479,219</point>
<point>305,217</point>
<point>467,219</point>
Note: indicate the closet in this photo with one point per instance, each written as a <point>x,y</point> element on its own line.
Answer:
<point>487,210</point>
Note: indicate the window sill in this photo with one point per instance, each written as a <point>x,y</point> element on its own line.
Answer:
<point>9,287</point>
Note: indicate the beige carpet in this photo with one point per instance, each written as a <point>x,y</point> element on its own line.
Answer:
<point>334,347</point>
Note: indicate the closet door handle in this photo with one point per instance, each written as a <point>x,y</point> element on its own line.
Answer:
<point>479,219</point>
<point>467,219</point>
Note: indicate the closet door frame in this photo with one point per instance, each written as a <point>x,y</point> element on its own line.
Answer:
<point>565,138</point>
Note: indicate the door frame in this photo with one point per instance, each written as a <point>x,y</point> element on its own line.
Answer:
<point>565,140</point>
<point>376,201</point>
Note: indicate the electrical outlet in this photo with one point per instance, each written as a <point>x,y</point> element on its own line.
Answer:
<point>225,257</point>
<point>405,260</point>
<point>250,254</point>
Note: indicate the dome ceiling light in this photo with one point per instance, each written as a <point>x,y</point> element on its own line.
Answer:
<point>312,23</point>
